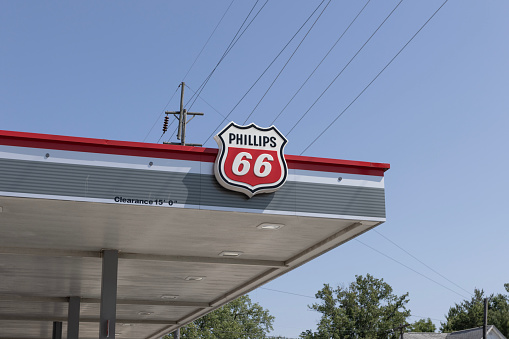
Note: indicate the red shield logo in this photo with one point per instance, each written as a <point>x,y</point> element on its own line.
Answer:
<point>250,159</point>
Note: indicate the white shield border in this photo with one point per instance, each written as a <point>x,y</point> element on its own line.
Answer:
<point>247,189</point>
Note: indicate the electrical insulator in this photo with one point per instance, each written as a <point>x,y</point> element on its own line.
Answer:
<point>165,125</point>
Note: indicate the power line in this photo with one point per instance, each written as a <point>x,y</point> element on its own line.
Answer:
<point>175,131</point>
<point>230,47</point>
<point>411,269</point>
<point>376,77</point>
<point>266,69</point>
<point>349,62</point>
<point>420,316</point>
<point>234,41</point>
<point>205,101</point>
<point>235,38</point>
<point>299,295</point>
<point>189,70</point>
<point>410,254</point>
<point>320,63</point>
<point>290,58</point>
<point>162,112</point>
<point>307,296</point>
<point>225,52</point>
<point>206,43</point>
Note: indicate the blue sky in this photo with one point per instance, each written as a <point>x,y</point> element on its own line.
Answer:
<point>437,114</point>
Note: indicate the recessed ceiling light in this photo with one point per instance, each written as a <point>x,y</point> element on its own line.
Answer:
<point>145,313</point>
<point>194,278</point>
<point>117,334</point>
<point>270,226</point>
<point>169,296</point>
<point>231,253</point>
<point>1,209</point>
<point>126,324</point>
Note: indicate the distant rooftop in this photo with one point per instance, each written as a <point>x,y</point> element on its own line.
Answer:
<point>473,333</point>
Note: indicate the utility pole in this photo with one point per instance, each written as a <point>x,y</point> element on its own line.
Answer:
<point>400,328</point>
<point>181,116</point>
<point>176,334</point>
<point>485,323</point>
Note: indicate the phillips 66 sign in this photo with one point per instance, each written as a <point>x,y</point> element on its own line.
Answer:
<point>250,159</point>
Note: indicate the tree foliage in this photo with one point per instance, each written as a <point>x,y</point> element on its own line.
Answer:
<point>470,313</point>
<point>239,319</point>
<point>366,309</point>
<point>422,325</point>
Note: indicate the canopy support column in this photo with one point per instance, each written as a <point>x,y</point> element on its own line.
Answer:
<point>108,312</point>
<point>73,318</point>
<point>57,330</point>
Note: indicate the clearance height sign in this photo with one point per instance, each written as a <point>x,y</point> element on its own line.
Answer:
<point>250,159</point>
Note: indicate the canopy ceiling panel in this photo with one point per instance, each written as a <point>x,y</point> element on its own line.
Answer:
<point>64,225</point>
<point>33,329</point>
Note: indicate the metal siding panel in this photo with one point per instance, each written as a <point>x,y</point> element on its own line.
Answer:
<point>96,181</point>
<point>214,194</point>
<point>339,199</point>
<point>99,182</point>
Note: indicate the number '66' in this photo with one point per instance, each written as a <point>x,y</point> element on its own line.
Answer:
<point>261,162</point>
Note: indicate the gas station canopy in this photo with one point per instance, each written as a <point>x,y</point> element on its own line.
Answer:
<point>84,220</point>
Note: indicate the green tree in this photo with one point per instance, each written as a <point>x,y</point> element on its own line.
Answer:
<point>422,325</point>
<point>470,313</point>
<point>366,309</point>
<point>239,319</point>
